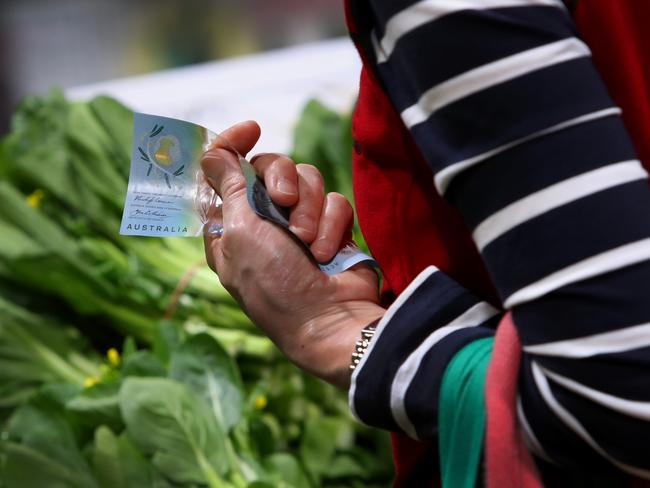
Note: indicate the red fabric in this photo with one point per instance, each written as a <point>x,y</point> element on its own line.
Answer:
<point>507,460</point>
<point>617,34</point>
<point>408,226</point>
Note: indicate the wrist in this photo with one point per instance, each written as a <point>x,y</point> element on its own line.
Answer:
<point>326,348</point>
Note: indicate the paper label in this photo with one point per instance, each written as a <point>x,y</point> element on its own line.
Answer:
<point>165,165</point>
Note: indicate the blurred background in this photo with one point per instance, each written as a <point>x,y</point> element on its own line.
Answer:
<point>71,43</point>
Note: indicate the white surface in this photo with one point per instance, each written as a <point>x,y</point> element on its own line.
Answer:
<point>271,88</point>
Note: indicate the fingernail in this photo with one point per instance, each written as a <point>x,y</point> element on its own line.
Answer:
<point>286,186</point>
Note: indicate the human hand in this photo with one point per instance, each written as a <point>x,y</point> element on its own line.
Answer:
<point>313,318</point>
<point>322,221</point>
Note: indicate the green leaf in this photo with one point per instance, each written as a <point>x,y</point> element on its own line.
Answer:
<point>167,338</point>
<point>205,366</point>
<point>52,275</point>
<point>45,232</point>
<point>35,351</point>
<point>262,435</point>
<point>169,422</point>
<point>98,405</point>
<point>321,438</point>
<point>41,155</point>
<point>346,466</point>
<point>90,142</point>
<point>285,470</point>
<point>106,460</point>
<point>119,464</point>
<point>42,450</point>
<point>14,243</point>
<point>143,363</point>
<point>27,467</point>
<point>117,121</point>
<point>129,347</point>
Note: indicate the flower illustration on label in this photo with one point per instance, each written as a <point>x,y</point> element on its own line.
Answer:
<point>162,151</point>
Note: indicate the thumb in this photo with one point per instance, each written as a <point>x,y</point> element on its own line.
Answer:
<point>220,162</point>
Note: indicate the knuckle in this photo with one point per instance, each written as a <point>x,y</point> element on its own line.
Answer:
<point>232,184</point>
<point>214,154</point>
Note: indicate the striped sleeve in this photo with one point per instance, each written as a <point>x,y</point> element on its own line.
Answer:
<point>522,137</point>
<point>395,386</point>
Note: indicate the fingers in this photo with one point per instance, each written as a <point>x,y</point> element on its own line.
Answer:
<point>240,137</point>
<point>280,177</point>
<point>221,166</point>
<point>305,215</point>
<point>336,220</point>
<point>322,221</point>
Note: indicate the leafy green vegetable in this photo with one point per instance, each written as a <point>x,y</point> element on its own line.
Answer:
<point>98,405</point>
<point>35,351</point>
<point>119,464</point>
<point>205,366</point>
<point>143,363</point>
<point>286,471</point>
<point>173,425</point>
<point>43,450</point>
<point>198,396</point>
<point>322,436</point>
<point>66,166</point>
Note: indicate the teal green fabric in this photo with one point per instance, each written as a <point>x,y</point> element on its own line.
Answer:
<point>461,414</point>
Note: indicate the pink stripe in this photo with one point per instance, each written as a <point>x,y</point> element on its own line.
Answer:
<point>508,462</point>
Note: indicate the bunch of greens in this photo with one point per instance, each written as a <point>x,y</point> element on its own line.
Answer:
<point>196,397</point>
<point>35,350</point>
<point>180,414</point>
<point>64,172</point>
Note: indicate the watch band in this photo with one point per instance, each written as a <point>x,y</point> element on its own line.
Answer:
<point>361,346</point>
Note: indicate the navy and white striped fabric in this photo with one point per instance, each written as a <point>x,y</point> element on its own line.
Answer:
<point>521,136</point>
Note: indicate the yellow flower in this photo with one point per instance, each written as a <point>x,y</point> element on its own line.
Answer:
<point>90,381</point>
<point>261,402</point>
<point>34,199</point>
<point>113,357</point>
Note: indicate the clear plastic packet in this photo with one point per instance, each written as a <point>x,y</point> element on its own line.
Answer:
<point>167,194</point>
